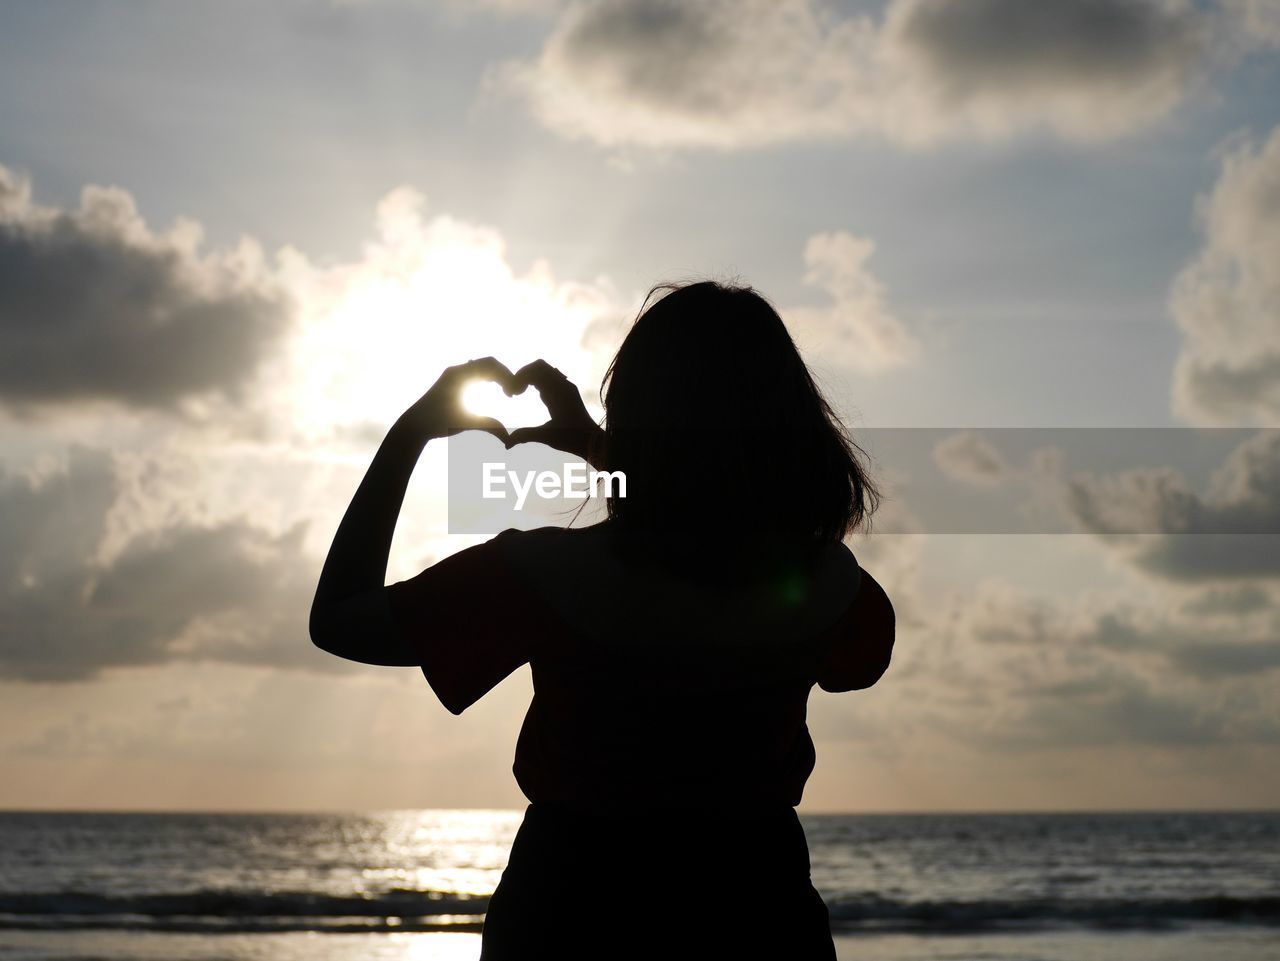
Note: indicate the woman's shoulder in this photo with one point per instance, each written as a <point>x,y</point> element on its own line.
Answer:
<point>541,546</point>
<point>551,535</point>
<point>585,575</point>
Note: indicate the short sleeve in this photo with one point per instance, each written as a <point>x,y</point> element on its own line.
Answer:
<point>858,647</point>
<point>469,620</point>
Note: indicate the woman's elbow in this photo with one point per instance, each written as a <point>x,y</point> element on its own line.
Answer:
<point>882,629</point>
<point>858,680</point>
<point>874,671</point>
<point>867,662</point>
<point>360,629</point>
<point>323,633</point>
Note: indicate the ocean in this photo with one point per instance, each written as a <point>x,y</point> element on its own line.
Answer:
<point>413,884</point>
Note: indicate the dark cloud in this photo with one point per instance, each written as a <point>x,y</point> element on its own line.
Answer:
<point>96,306</point>
<point>1098,671</point>
<point>1208,658</point>
<point>1229,532</point>
<point>988,45</point>
<point>1189,557</point>
<point>662,72</point>
<point>679,47</point>
<point>1123,708</point>
<point>734,73</point>
<point>1195,647</point>
<point>1229,602</point>
<point>1226,633</point>
<point>229,591</point>
<point>1223,391</point>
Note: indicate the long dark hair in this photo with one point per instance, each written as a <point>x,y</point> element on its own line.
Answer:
<point>716,421</point>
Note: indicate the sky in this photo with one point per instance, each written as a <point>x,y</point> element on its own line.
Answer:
<point>238,239</point>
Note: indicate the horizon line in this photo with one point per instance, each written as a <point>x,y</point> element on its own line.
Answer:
<point>939,812</point>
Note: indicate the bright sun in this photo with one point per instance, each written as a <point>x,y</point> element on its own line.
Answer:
<point>488,400</point>
<point>432,293</point>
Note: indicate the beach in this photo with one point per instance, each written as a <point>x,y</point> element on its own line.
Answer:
<point>1229,945</point>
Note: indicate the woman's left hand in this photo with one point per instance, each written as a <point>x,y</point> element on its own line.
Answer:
<point>440,412</point>
<point>570,428</point>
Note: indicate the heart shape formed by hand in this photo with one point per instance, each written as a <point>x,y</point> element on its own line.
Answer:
<point>487,399</point>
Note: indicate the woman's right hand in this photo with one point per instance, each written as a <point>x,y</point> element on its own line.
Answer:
<point>440,411</point>
<point>570,428</point>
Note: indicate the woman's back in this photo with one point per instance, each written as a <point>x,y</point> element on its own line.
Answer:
<point>668,717</point>
<point>651,688</point>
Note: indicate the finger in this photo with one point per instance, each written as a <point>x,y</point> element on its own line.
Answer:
<point>541,375</point>
<point>489,368</point>
<point>493,369</point>
<point>530,435</point>
<point>487,424</point>
<point>490,426</point>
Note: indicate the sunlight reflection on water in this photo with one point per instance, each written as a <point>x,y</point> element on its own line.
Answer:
<point>460,851</point>
<point>442,947</point>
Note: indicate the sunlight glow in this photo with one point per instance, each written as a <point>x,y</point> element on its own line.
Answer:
<point>428,294</point>
<point>488,400</point>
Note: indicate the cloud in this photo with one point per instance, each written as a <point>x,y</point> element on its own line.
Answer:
<point>1257,22</point>
<point>744,73</point>
<point>225,591</point>
<point>1233,601</point>
<point>189,547</point>
<point>510,6</point>
<point>1100,669</point>
<point>1208,658</point>
<point>95,306</point>
<point>1231,531</point>
<point>858,330</point>
<point>1184,658</point>
<point>163,551</point>
<point>1227,300</point>
<point>1194,643</point>
<point>1086,68</point>
<point>969,457</point>
<point>664,73</point>
<point>1124,708</point>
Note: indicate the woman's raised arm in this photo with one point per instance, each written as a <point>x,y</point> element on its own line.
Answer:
<point>350,616</point>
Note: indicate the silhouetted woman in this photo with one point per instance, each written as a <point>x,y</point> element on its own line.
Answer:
<point>673,646</point>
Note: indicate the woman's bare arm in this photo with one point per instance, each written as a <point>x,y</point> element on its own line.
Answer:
<point>350,616</point>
